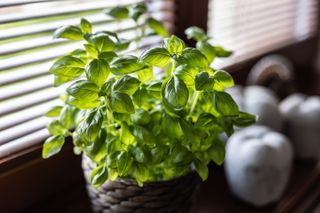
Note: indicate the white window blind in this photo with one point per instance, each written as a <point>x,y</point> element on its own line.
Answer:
<point>27,51</point>
<point>253,27</point>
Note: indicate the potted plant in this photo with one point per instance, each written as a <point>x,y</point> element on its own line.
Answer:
<point>142,135</point>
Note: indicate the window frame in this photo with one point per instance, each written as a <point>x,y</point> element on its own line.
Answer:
<point>29,164</point>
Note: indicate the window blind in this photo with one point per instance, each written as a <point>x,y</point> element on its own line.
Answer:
<point>27,51</point>
<point>253,27</point>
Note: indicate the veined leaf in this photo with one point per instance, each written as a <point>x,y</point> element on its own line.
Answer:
<point>52,146</point>
<point>126,84</point>
<point>222,79</point>
<point>187,74</point>
<point>203,81</point>
<point>125,65</point>
<point>99,175</point>
<point>85,25</point>
<point>201,169</point>
<point>83,90</point>
<point>53,111</point>
<point>69,32</point>
<point>195,33</point>
<point>124,162</point>
<point>176,92</point>
<point>157,27</point>
<point>120,102</point>
<point>102,42</point>
<point>118,13</point>
<point>68,66</point>
<point>97,71</point>
<point>156,56</point>
<point>224,104</point>
<point>174,45</point>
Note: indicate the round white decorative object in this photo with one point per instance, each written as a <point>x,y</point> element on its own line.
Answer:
<point>260,101</point>
<point>301,115</point>
<point>258,164</point>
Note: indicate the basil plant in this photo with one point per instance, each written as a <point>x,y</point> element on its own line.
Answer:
<point>132,123</point>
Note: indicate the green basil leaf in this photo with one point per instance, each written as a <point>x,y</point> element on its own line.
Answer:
<point>201,169</point>
<point>106,88</point>
<point>140,98</point>
<point>125,65</point>
<point>83,90</point>
<point>181,156</point>
<point>69,32</point>
<point>222,79</point>
<point>112,159</point>
<point>143,135</point>
<point>244,119</point>
<point>124,162</point>
<point>99,175</point>
<point>84,103</point>
<point>176,92</point>
<point>120,102</point>
<point>92,124</point>
<point>79,53</point>
<point>217,152</point>
<point>195,33</point>
<point>156,56</point>
<point>221,52</point>
<point>56,128</point>
<point>141,117</point>
<point>98,149</point>
<point>140,154</point>
<point>53,111</point>
<point>224,104</point>
<point>203,81</point>
<point>122,44</point>
<point>159,154</point>
<point>145,74</point>
<point>52,146</point>
<point>92,51</point>
<point>66,116</point>
<point>102,42</point>
<point>206,120</point>
<point>125,135</point>
<point>207,49</point>
<point>107,56</point>
<point>97,71</point>
<point>137,10</point>
<point>85,25</point>
<point>187,74</point>
<point>118,13</point>
<point>194,58</point>
<point>171,126</point>
<point>141,173</point>
<point>157,27</point>
<point>126,84</point>
<point>174,45</point>
<point>68,66</point>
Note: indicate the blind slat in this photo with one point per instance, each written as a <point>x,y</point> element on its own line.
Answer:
<point>251,28</point>
<point>27,51</point>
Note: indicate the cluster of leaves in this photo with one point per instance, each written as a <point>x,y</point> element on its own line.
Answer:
<point>128,122</point>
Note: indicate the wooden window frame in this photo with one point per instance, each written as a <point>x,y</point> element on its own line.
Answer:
<point>51,181</point>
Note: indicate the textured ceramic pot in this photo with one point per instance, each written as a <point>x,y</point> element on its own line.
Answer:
<point>302,124</point>
<point>257,165</point>
<point>126,196</point>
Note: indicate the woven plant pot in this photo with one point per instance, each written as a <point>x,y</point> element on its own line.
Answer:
<point>126,196</point>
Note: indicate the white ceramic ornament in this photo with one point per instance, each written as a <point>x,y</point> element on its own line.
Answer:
<point>258,164</point>
<point>260,101</point>
<point>302,124</point>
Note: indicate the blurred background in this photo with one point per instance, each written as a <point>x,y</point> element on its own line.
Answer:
<point>275,45</point>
